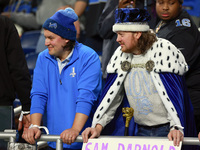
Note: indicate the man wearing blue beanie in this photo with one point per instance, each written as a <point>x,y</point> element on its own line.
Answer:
<point>66,82</point>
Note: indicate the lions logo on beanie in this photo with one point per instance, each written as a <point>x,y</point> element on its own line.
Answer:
<point>62,23</point>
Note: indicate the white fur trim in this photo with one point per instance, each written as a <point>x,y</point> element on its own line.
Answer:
<point>111,94</point>
<point>167,58</point>
<point>130,27</point>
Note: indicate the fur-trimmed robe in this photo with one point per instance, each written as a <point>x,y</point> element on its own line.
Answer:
<point>167,75</point>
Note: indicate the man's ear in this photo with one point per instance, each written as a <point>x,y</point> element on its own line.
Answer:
<point>66,41</point>
<point>138,35</point>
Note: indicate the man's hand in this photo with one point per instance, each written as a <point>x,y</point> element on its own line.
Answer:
<point>69,136</point>
<point>26,122</point>
<point>125,3</point>
<point>176,136</point>
<point>64,7</point>
<point>199,136</point>
<point>7,14</point>
<point>30,135</point>
<point>91,133</point>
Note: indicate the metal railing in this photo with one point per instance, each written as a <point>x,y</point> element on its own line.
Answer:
<point>17,110</point>
<point>11,136</point>
<point>186,140</point>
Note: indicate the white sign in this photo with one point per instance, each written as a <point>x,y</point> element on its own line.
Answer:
<point>130,143</point>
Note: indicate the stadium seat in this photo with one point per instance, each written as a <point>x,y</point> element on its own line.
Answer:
<point>192,7</point>
<point>31,61</point>
<point>29,41</point>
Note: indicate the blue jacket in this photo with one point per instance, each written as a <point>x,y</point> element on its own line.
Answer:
<point>73,91</point>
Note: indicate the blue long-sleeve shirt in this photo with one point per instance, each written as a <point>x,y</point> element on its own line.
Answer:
<point>73,91</point>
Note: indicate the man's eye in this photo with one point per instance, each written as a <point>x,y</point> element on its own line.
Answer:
<point>160,2</point>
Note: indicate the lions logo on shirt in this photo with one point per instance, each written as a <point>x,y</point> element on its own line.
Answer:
<point>73,72</point>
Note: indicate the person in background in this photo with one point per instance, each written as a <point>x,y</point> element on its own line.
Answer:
<point>23,15</point>
<point>67,81</point>
<point>145,70</point>
<point>15,81</point>
<point>177,26</point>
<point>34,20</point>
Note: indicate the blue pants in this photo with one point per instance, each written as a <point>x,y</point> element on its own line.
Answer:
<point>159,130</point>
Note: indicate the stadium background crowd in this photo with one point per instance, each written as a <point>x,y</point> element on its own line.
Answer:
<point>29,15</point>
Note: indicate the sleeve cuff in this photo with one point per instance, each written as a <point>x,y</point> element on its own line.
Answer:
<point>36,110</point>
<point>178,127</point>
<point>84,108</point>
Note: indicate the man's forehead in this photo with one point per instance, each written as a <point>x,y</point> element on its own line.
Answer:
<point>124,32</point>
<point>47,32</point>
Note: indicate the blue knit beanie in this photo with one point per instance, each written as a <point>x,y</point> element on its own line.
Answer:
<point>62,23</point>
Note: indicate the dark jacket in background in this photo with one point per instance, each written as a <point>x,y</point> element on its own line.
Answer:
<point>106,21</point>
<point>14,74</point>
<point>183,33</point>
